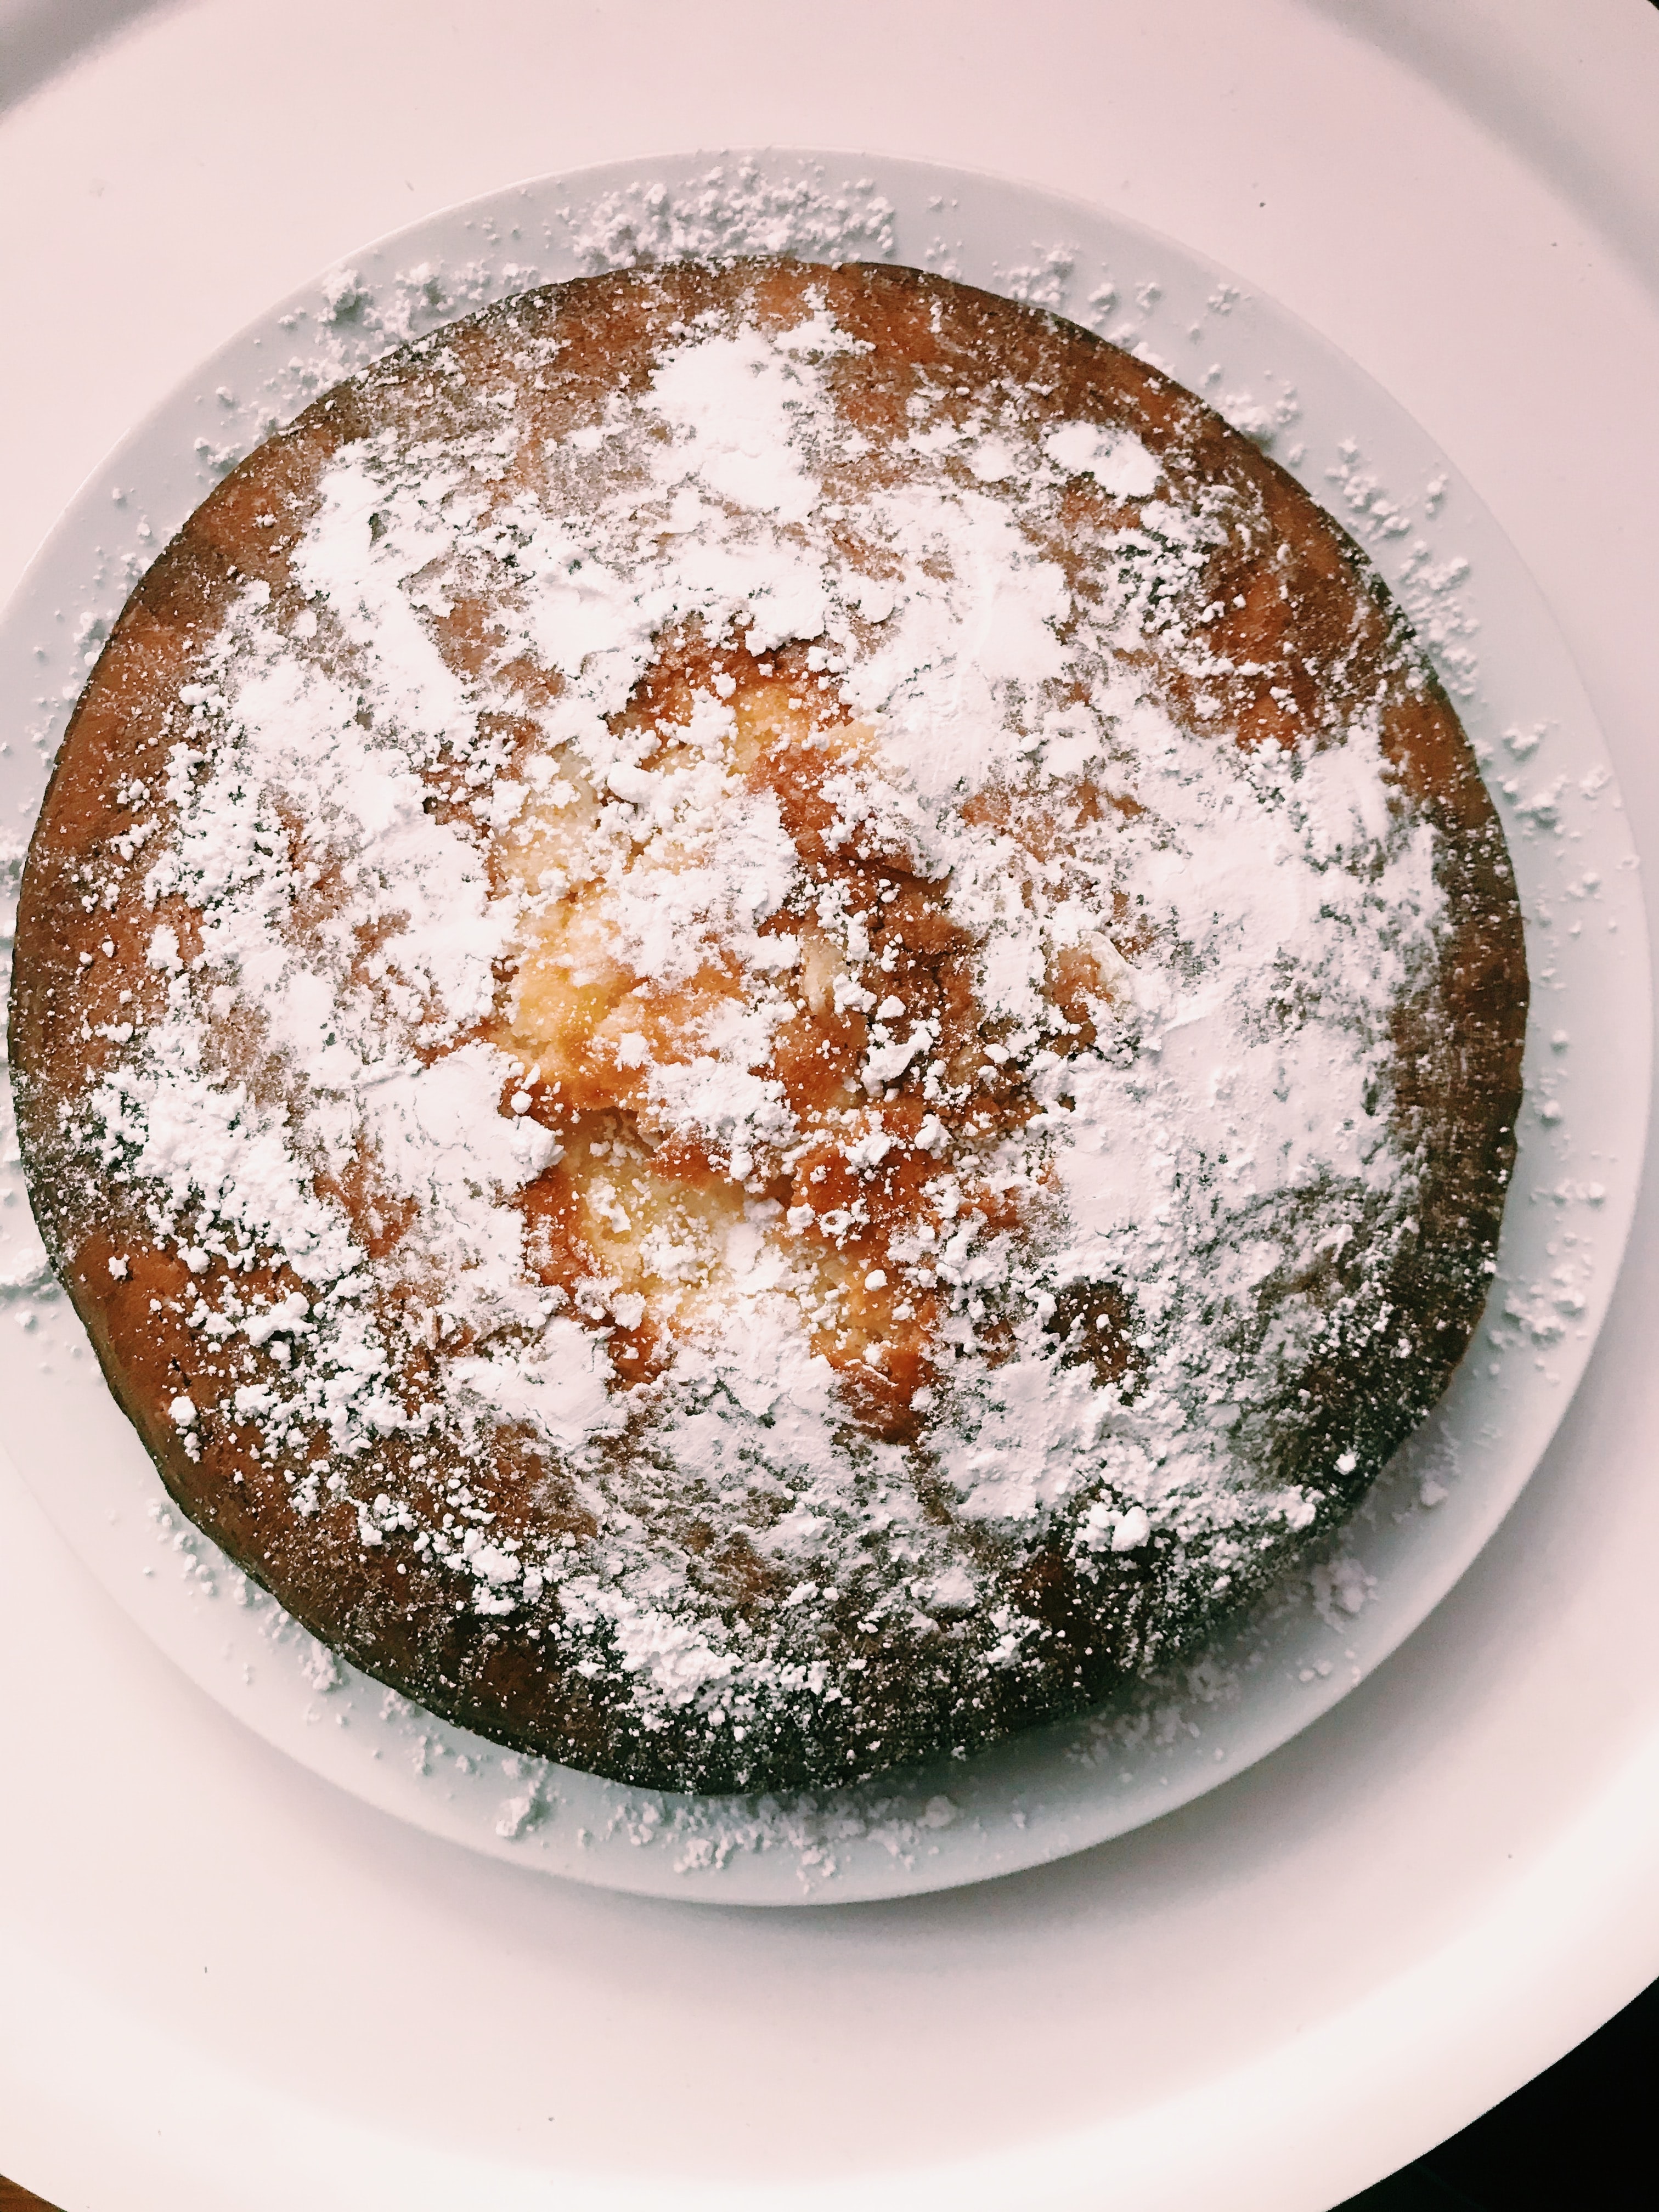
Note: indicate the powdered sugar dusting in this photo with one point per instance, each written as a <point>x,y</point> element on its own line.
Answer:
<point>995,1285</point>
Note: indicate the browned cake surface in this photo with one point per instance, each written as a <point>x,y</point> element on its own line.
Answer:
<point>767,1019</point>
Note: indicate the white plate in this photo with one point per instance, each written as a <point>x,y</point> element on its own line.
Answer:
<point>1580,1132</point>
<point>230,1985</point>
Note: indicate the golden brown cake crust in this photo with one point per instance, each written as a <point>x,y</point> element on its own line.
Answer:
<point>1263,636</point>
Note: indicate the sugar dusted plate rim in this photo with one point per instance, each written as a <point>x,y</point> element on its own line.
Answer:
<point>1583,1129</point>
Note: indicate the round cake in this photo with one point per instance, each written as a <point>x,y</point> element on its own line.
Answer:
<point>768,1020</point>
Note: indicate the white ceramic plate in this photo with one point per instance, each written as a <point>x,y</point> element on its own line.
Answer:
<point>230,1985</point>
<point>1581,1131</point>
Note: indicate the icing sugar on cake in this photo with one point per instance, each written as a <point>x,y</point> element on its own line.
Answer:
<point>768,1020</point>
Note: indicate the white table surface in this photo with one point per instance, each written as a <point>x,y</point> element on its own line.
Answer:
<point>228,1985</point>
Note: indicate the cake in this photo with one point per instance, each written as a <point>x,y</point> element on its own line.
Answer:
<point>768,1020</point>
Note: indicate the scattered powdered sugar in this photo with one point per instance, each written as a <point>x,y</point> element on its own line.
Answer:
<point>1431,592</point>
<point>731,209</point>
<point>819,1841</point>
<point>1045,282</point>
